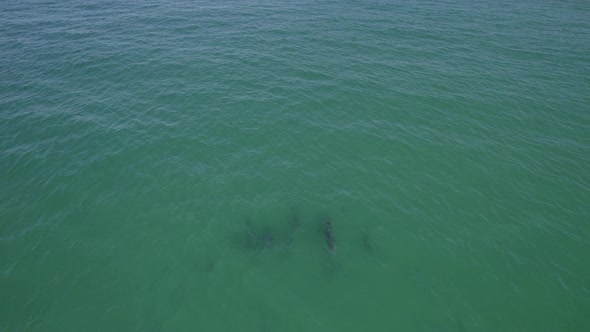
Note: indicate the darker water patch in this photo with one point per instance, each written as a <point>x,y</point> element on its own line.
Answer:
<point>295,219</point>
<point>293,226</point>
<point>368,243</point>
<point>460,325</point>
<point>209,264</point>
<point>254,237</point>
<point>205,265</point>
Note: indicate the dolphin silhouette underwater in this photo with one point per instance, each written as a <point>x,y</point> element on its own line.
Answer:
<point>329,234</point>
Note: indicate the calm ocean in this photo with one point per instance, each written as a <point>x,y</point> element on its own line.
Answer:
<point>173,165</point>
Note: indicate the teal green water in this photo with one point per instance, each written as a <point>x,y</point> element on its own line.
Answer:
<point>170,165</point>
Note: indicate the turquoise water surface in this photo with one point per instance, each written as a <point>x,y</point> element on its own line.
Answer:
<point>172,165</point>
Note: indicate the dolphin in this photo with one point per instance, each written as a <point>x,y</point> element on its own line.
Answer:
<point>329,234</point>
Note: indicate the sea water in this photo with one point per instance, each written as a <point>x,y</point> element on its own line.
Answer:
<point>172,165</point>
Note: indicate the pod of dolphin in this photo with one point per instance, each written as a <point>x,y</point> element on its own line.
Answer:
<point>257,238</point>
